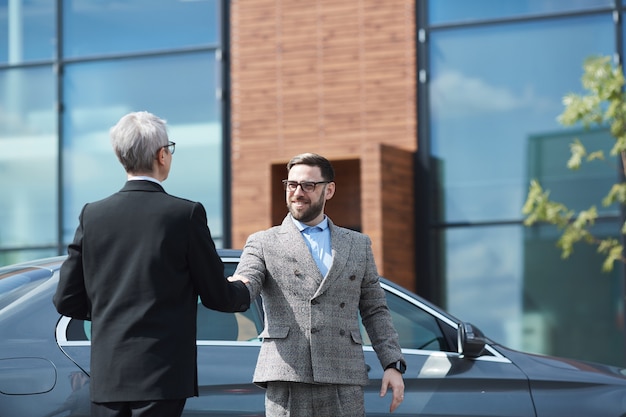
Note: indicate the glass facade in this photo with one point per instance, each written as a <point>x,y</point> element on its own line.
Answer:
<point>496,75</point>
<point>28,162</point>
<point>461,11</point>
<point>492,77</point>
<point>67,79</point>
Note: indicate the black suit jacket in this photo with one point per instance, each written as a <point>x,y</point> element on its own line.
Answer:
<point>139,260</point>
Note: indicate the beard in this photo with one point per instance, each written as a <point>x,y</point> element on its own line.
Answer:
<point>314,209</point>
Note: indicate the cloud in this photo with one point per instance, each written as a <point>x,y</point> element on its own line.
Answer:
<point>454,94</point>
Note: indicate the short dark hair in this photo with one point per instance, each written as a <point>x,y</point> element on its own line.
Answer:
<point>314,160</point>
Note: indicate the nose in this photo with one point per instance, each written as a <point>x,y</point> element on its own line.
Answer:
<point>299,190</point>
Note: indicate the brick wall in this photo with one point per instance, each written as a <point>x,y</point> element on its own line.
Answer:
<point>327,76</point>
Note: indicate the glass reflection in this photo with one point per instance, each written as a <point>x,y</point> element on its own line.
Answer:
<point>180,89</point>
<point>454,11</point>
<point>484,282</point>
<point>113,27</point>
<point>28,161</point>
<point>30,28</point>
<point>572,308</point>
<point>547,157</point>
<point>10,257</point>
<point>512,283</point>
<point>492,89</point>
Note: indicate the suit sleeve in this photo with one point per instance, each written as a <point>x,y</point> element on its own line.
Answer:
<point>252,264</point>
<point>207,269</point>
<point>71,297</point>
<point>375,313</point>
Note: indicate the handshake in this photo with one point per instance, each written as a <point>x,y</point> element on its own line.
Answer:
<point>238,278</point>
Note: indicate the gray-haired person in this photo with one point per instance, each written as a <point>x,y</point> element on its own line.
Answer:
<point>139,260</point>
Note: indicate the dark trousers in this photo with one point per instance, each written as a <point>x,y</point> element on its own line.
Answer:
<point>161,408</point>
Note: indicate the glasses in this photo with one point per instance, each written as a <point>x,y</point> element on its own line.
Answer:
<point>306,186</point>
<point>171,147</point>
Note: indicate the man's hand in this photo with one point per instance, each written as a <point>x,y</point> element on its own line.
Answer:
<point>393,379</point>
<point>238,278</point>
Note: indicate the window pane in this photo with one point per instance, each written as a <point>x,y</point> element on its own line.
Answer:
<point>564,184</point>
<point>28,161</point>
<point>216,325</point>
<point>10,257</point>
<point>106,27</point>
<point>416,328</point>
<point>180,89</point>
<point>512,283</point>
<point>483,281</point>
<point>30,30</point>
<point>455,11</point>
<point>491,91</point>
<point>187,101</point>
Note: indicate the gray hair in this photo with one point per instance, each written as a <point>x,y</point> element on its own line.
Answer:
<point>137,138</point>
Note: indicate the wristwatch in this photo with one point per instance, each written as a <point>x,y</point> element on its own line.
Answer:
<point>398,366</point>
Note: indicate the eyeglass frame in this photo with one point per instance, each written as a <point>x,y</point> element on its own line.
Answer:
<point>304,185</point>
<point>171,147</point>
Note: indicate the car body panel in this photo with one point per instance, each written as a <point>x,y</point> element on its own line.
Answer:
<point>44,362</point>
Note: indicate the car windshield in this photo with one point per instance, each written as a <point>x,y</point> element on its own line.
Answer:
<point>17,282</point>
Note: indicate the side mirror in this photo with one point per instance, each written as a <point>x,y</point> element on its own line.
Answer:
<point>470,340</point>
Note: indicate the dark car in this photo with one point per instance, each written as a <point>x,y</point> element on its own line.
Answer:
<point>453,370</point>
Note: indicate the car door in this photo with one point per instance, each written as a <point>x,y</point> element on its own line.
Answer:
<point>228,347</point>
<point>439,381</point>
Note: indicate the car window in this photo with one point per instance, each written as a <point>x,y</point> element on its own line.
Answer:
<point>211,325</point>
<point>417,329</point>
<point>215,325</point>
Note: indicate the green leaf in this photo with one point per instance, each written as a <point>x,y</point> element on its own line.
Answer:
<point>604,105</point>
<point>616,194</point>
<point>578,153</point>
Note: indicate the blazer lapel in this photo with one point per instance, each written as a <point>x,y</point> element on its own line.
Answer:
<point>341,244</point>
<point>295,248</point>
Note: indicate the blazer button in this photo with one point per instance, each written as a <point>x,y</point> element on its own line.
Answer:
<point>352,277</point>
<point>342,305</point>
<point>313,330</point>
<point>314,302</point>
<point>342,332</point>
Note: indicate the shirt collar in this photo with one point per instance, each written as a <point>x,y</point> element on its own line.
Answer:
<point>301,226</point>
<point>143,178</point>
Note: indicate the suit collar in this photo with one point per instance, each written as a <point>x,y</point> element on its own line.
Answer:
<point>142,185</point>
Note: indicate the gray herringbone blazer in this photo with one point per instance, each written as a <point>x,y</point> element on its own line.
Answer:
<point>311,323</point>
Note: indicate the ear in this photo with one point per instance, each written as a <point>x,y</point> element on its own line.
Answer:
<point>161,156</point>
<point>330,190</point>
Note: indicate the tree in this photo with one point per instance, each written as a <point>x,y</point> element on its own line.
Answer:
<point>604,105</point>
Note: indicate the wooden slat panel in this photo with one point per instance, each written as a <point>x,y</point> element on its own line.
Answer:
<point>328,76</point>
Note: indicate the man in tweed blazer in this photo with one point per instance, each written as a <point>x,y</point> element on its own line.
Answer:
<point>314,278</point>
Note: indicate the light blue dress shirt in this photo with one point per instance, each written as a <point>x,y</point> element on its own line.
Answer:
<point>317,239</point>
